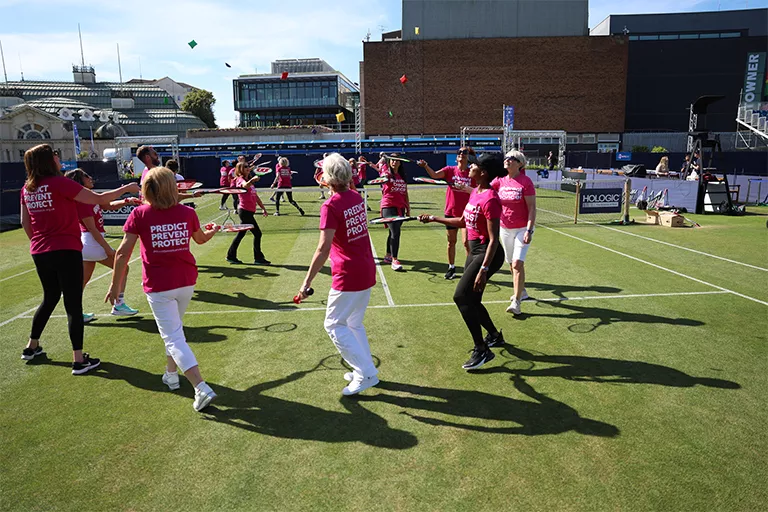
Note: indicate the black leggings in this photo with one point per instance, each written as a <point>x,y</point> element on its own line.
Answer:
<point>469,301</point>
<point>247,217</point>
<point>393,238</point>
<point>60,272</point>
<point>234,200</point>
<point>279,195</point>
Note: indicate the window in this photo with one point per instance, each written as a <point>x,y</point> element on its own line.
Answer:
<point>709,36</point>
<point>587,138</point>
<point>725,35</point>
<point>668,37</point>
<point>571,139</point>
<point>33,131</point>
<point>634,38</point>
<point>689,36</point>
<point>649,38</point>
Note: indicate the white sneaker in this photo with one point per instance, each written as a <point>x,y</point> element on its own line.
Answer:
<point>222,207</point>
<point>171,380</point>
<point>276,214</point>
<point>349,376</point>
<point>203,396</point>
<point>514,307</point>
<point>523,297</point>
<point>359,384</point>
<point>396,265</point>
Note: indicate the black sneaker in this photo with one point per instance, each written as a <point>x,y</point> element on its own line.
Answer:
<point>451,273</point>
<point>88,364</point>
<point>495,340</point>
<point>478,358</point>
<point>29,354</point>
<point>301,212</point>
<point>234,261</point>
<point>262,261</point>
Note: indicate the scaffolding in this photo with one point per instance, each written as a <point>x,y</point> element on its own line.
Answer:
<point>513,140</point>
<point>135,142</point>
<point>358,129</point>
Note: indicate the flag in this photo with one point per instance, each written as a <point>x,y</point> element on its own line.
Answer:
<point>403,79</point>
<point>340,117</point>
<point>77,139</point>
<point>284,75</point>
<point>192,44</point>
<point>416,30</point>
<point>227,64</point>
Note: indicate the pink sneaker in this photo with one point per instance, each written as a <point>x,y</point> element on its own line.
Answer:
<point>387,259</point>
<point>396,266</point>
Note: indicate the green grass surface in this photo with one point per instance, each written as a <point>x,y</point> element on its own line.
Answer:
<point>615,400</point>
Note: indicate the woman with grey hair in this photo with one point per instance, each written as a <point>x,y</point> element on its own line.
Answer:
<point>518,218</point>
<point>344,236</point>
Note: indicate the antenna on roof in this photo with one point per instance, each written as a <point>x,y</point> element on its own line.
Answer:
<point>20,68</point>
<point>140,75</point>
<point>2,55</point>
<point>119,67</point>
<point>82,57</point>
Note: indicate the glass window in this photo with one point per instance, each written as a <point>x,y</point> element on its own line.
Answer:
<point>588,138</point>
<point>689,36</point>
<point>571,139</point>
<point>284,93</point>
<point>649,38</point>
<point>668,37</point>
<point>709,36</point>
<point>633,38</point>
<point>725,35</point>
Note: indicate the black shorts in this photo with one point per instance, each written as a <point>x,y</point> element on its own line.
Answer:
<point>450,228</point>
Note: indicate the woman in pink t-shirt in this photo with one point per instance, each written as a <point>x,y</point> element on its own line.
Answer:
<point>283,181</point>
<point>344,236</point>
<point>518,218</point>
<point>394,203</point>
<point>456,197</point>
<point>247,213</point>
<point>360,175</point>
<point>169,271</point>
<point>49,218</point>
<point>225,179</point>
<point>95,246</point>
<point>481,218</point>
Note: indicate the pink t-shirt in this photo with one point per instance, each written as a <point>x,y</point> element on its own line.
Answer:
<point>481,207</point>
<point>53,214</point>
<point>362,173</point>
<point>167,262</point>
<point>224,176</point>
<point>90,210</point>
<point>352,265</point>
<point>247,200</point>
<point>283,176</point>
<point>394,192</point>
<point>456,200</point>
<point>512,192</point>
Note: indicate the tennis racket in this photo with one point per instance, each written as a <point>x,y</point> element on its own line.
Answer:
<point>318,164</point>
<point>188,185</point>
<point>225,190</point>
<point>431,181</point>
<point>297,298</point>
<point>234,228</point>
<point>262,171</point>
<point>389,220</point>
<point>399,158</point>
<point>377,181</point>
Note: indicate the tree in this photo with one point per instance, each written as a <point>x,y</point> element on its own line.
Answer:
<point>200,103</point>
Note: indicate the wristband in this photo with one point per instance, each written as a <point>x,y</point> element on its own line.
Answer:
<point>483,269</point>
<point>529,231</point>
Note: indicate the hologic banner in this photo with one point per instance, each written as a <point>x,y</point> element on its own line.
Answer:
<point>117,217</point>
<point>754,78</point>
<point>600,200</point>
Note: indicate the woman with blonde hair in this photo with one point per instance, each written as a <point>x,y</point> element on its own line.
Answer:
<point>518,218</point>
<point>247,212</point>
<point>93,236</point>
<point>169,271</point>
<point>344,236</point>
<point>49,218</point>
<point>282,181</point>
<point>663,168</point>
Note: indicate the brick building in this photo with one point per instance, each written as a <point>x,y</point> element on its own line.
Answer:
<point>577,84</point>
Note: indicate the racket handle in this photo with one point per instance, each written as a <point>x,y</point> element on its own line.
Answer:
<point>297,298</point>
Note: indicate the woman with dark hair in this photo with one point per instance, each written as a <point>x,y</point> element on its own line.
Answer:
<point>247,213</point>
<point>224,182</point>
<point>456,198</point>
<point>481,217</point>
<point>49,218</point>
<point>95,246</point>
<point>394,203</point>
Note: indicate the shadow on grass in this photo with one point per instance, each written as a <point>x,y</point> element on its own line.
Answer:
<point>604,316</point>
<point>236,271</point>
<point>543,416</point>
<point>240,300</point>
<point>598,369</point>
<point>559,290</point>
<point>202,334</point>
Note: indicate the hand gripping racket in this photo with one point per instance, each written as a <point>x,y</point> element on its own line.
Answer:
<point>389,220</point>
<point>297,298</point>
<point>431,181</point>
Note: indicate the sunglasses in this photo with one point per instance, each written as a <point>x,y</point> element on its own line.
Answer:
<point>512,158</point>
<point>462,152</point>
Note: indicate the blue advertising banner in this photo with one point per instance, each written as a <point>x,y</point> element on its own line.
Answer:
<point>509,117</point>
<point>623,156</point>
<point>600,200</point>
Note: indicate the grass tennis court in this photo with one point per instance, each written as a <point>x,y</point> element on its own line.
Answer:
<point>636,381</point>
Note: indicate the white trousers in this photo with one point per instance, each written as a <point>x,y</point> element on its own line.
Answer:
<point>344,324</point>
<point>512,242</point>
<point>168,308</point>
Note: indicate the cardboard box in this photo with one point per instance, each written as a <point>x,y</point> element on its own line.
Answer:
<point>651,217</point>
<point>671,220</point>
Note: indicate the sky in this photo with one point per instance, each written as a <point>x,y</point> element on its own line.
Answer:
<point>40,36</point>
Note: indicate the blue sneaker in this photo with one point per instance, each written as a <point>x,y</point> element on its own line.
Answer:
<point>123,310</point>
<point>87,317</point>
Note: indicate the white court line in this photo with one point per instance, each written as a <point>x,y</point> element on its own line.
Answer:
<point>381,276</point>
<point>444,304</point>
<point>662,242</point>
<point>657,266</point>
<point>108,273</point>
